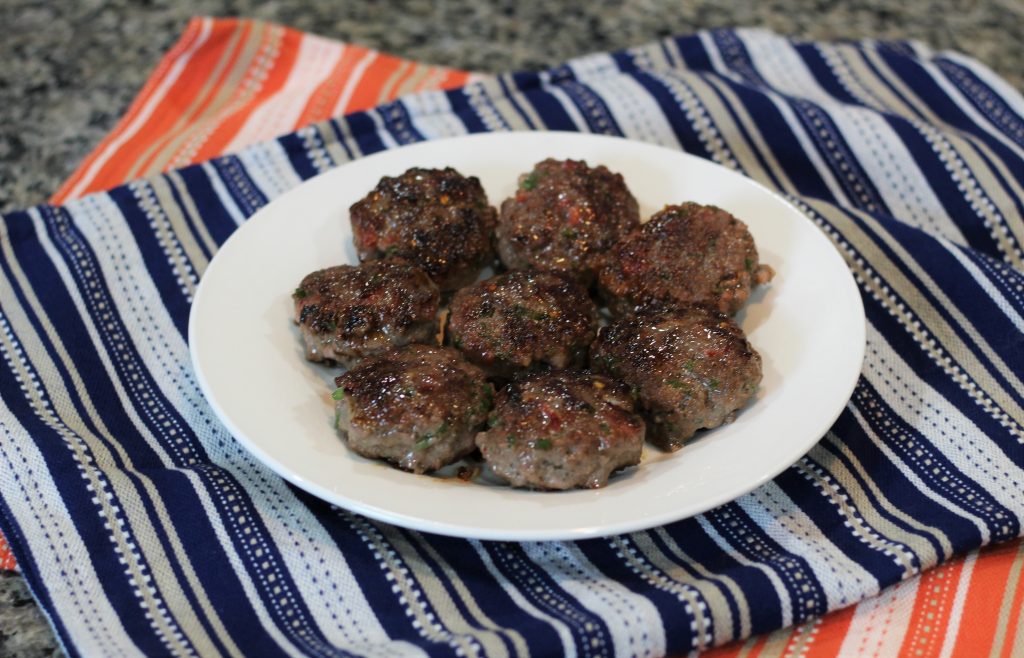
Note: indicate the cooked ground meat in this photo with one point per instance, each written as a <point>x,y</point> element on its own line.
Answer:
<point>346,312</point>
<point>521,320</point>
<point>417,406</point>
<point>562,429</point>
<point>436,218</point>
<point>690,368</point>
<point>685,254</point>
<point>563,217</point>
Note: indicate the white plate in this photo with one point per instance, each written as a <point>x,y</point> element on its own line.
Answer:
<point>808,325</point>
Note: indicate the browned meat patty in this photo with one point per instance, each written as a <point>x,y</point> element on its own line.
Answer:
<point>346,312</point>
<point>690,368</point>
<point>685,254</point>
<point>417,406</point>
<point>562,429</point>
<point>565,216</point>
<point>521,320</point>
<point>437,218</point>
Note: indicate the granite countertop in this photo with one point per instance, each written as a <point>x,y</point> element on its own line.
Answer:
<point>68,71</point>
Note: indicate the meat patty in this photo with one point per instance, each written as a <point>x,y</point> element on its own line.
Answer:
<point>346,312</point>
<point>563,217</point>
<point>521,320</point>
<point>437,218</point>
<point>685,254</point>
<point>690,368</point>
<point>417,406</point>
<point>562,429</point>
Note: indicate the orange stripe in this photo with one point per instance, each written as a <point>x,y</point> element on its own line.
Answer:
<point>932,611</point>
<point>981,609</point>
<point>1016,616</point>
<point>831,634</point>
<point>162,125</point>
<point>211,99</point>
<point>242,108</point>
<point>374,78</point>
<point>188,37</point>
<point>326,94</point>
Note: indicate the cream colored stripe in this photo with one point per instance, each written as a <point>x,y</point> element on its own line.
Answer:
<point>975,168</point>
<point>409,85</point>
<point>857,521</point>
<point>332,144</point>
<point>496,101</point>
<point>969,373</point>
<point>389,84</point>
<point>1006,607</point>
<point>918,544</point>
<point>737,593</point>
<point>751,165</point>
<point>180,556</point>
<point>673,579</point>
<point>88,449</point>
<point>398,572</point>
<point>186,117</point>
<point>193,211</point>
<point>491,638</point>
<point>802,638</point>
<point>522,106</point>
<point>956,613</point>
<point>179,225</point>
<point>147,111</point>
<point>145,194</point>
<point>242,84</point>
<point>776,643</point>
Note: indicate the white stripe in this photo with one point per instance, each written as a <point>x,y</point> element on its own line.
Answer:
<point>569,106</point>
<point>888,162</point>
<point>222,193</point>
<point>144,114</point>
<point>268,167</point>
<point>948,430</point>
<point>843,580</point>
<point>879,625</point>
<point>280,112</point>
<point>164,354</point>
<point>354,78</point>
<point>636,111</point>
<point>784,597</point>
<point>986,284</point>
<point>568,648</point>
<point>956,613</point>
<point>1007,93</point>
<point>72,584</point>
<point>634,622</point>
<point>432,116</point>
<point>967,107</point>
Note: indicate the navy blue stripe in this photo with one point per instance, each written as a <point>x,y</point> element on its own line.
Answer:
<point>295,147</point>
<point>247,195</point>
<point>657,85</point>
<point>215,217</point>
<point>460,106</point>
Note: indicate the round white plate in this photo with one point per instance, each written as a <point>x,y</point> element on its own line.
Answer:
<point>808,325</point>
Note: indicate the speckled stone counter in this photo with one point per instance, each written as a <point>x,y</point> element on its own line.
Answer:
<point>69,69</point>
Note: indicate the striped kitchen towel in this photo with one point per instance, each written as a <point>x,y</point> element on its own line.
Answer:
<point>143,527</point>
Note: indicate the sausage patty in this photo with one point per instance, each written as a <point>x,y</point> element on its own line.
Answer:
<point>563,217</point>
<point>562,429</point>
<point>417,406</point>
<point>346,312</point>
<point>685,254</point>
<point>437,218</point>
<point>690,368</point>
<point>521,320</point>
